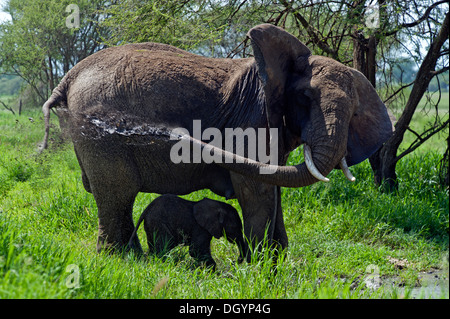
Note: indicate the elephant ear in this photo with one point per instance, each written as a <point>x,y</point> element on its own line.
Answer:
<point>275,52</point>
<point>371,124</point>
<point>210,216</point>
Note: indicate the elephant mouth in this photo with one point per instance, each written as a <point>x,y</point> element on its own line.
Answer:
<point>316,173</point>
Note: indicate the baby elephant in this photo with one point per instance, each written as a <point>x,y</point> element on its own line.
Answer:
<point>170,220</point>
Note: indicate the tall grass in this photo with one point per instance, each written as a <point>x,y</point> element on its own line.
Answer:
<point>48,229</point>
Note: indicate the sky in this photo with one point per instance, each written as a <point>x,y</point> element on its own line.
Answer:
<point>3,16</point>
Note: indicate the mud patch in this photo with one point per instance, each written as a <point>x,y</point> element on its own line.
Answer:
<point>430,284</point>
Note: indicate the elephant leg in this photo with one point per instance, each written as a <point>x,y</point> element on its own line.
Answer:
<point>160,239</point>
<point>279,234</point>
<point>115,222</point>
<point>200,246</point>
<point>261,210</point>
<point>114,181</point>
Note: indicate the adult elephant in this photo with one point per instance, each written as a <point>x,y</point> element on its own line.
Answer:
<point>119,102</point>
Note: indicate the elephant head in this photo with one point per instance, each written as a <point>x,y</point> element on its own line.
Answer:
<point>332,109</point>
<point>219,218</point>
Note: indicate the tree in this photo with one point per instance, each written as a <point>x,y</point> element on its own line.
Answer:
<point>384,161</point>
<point>208,27</point>
<point>38,45</point>
<point>386,158</point>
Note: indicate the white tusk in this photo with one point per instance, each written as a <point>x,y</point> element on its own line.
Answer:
<point>310,165</point>
<point>346,171</point>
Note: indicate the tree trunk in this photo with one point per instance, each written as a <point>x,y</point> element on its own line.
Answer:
<point>364,60</point>
<point>360,52</point>
<point>384,161</point>
<point>371,59</point>
<point>443,166</point>
<point>51,79</point>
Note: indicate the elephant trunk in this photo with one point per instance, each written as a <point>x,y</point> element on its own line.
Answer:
<point>325,151</point>
<point>322,156</point>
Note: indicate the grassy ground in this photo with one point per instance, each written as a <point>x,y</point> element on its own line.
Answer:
<point>338,233</point>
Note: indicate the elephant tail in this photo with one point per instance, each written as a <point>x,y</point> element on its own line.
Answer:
<point>58,97</point>
<point>133,235</point>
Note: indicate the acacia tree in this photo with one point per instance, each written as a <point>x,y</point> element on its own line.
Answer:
<point>384,161</point>
<point>38,45</point>
<point>207,27</point>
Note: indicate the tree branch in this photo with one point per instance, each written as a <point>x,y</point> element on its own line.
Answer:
<point>312,32</point>
<point>398,91</point>
<point>30,83</point>
<point>443,70</point>
<point>236,11</point>
<point>421,138</point>
<point>422,81</point>
<point>418,21</point>
<point>7,107</point>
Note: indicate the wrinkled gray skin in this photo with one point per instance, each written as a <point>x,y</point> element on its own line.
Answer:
<point>310,99</point>
<point>170,221</point>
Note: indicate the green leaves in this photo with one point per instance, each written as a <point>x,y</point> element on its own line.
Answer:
<point>212,28</point>
<point>38,45</point>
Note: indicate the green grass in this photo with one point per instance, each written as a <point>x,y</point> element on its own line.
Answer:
<point>337,231</point>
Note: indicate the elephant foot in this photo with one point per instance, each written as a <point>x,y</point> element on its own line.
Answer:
<point>135,247</point>
<point>209,264</point>
<point>260,250</point>
<point>120,246</point>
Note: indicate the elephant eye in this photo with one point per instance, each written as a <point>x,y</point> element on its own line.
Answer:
<point>308,93</point>
<point>301,98</point>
